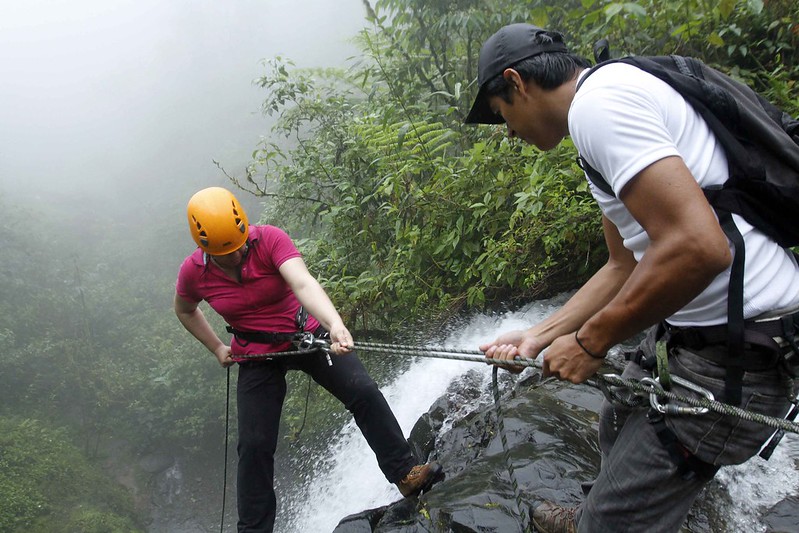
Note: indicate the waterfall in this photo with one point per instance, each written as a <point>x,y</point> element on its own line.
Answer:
<point>410,396</point>
<point>752,487</point>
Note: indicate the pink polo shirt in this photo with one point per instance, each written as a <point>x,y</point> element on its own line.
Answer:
<point>262,301</point>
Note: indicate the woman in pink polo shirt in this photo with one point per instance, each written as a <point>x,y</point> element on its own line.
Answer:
<point>255,278</point>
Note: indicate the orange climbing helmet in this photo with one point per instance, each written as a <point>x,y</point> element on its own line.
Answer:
<point>217,221</point>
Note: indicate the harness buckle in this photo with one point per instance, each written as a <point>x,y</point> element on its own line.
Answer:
<point>305,340</point>
<point>670,409</point>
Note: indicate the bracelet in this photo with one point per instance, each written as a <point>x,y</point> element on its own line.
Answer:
<point>580,344</point>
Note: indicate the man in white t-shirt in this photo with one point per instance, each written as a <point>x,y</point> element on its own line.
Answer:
<point>669,265</point>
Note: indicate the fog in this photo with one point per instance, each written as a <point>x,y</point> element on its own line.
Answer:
<point>123,104</point>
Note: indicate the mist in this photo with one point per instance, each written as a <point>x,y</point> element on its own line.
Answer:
<point>121,106</point>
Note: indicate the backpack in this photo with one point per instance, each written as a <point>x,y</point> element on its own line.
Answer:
<point>762,147</point>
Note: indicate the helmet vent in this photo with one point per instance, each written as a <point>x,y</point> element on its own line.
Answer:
<point>237,218</point>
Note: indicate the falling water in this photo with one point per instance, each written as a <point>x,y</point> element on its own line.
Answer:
<point>752,487</point>
<point>410,396</point>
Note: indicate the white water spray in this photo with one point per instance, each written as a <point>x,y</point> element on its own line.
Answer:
<point>757,485</point>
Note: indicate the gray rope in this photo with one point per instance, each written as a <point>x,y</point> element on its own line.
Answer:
<point>600,381</point>
<point>713,405</point>
<point>439,353</point>
<point>506,452</point>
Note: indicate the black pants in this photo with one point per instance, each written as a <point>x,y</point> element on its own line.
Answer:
<point>261,390</point>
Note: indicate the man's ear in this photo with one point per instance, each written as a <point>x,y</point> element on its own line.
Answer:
<point>513,79</point>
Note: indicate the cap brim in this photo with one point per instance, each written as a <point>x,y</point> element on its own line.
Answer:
<point>481,112</point>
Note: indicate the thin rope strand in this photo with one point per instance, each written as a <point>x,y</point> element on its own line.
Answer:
<point>506,452</point>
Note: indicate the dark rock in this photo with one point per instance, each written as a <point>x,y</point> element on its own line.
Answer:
<point>363,522</point>
<point>550,429</point>
<point>783,517</point>
<point>551,434</point>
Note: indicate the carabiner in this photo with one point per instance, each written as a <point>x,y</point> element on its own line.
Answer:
<point>669,409</point>
<point>617,394</point>
<point>307,341</point>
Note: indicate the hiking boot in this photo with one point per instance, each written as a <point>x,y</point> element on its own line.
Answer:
<point>420,479</point>
<point>551,518</point>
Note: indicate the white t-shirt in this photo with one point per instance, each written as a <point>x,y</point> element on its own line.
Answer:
<point>623,120</point>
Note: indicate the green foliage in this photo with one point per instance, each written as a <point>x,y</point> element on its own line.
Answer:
<point>95,521</point>
<point>754,40</point>
<point>46,484</point>
<point>400,210</point>
<point>92,342</point>
<point>412,212</point>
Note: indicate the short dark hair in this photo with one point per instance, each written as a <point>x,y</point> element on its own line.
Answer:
<point>548,70</point>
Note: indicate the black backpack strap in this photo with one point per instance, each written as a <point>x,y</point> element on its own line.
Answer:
<point>602,57</point>
<point>688,66</point>
<point>601,50</point>
<point>596,178</point>
<point>733,380</point>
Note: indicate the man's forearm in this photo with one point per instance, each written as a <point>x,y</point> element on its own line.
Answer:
<point>595,294</point>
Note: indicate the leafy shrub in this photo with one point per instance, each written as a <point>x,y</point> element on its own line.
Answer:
<point>44,479</point>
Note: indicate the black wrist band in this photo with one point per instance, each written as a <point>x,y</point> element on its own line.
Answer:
<point>580,344</point>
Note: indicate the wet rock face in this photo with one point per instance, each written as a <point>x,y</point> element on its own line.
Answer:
<point>784,516</point>
<point>551,432</point>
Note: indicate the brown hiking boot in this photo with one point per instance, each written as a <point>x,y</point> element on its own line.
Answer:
<point>420,478</point>
<point>551,518</point>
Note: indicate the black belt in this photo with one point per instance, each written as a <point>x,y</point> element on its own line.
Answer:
<point>262,337</point>
<point>763,351</point>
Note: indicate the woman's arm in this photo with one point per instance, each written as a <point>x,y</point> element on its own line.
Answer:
<point>315,300</point>
<point>193,319</point>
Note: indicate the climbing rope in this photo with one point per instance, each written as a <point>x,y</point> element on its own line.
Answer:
<point>224,469</point>
<point>506,452</point>
<point>649,387</point>
<point>603,382</point>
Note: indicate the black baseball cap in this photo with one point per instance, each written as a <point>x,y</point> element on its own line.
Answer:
<point>508,46</point>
